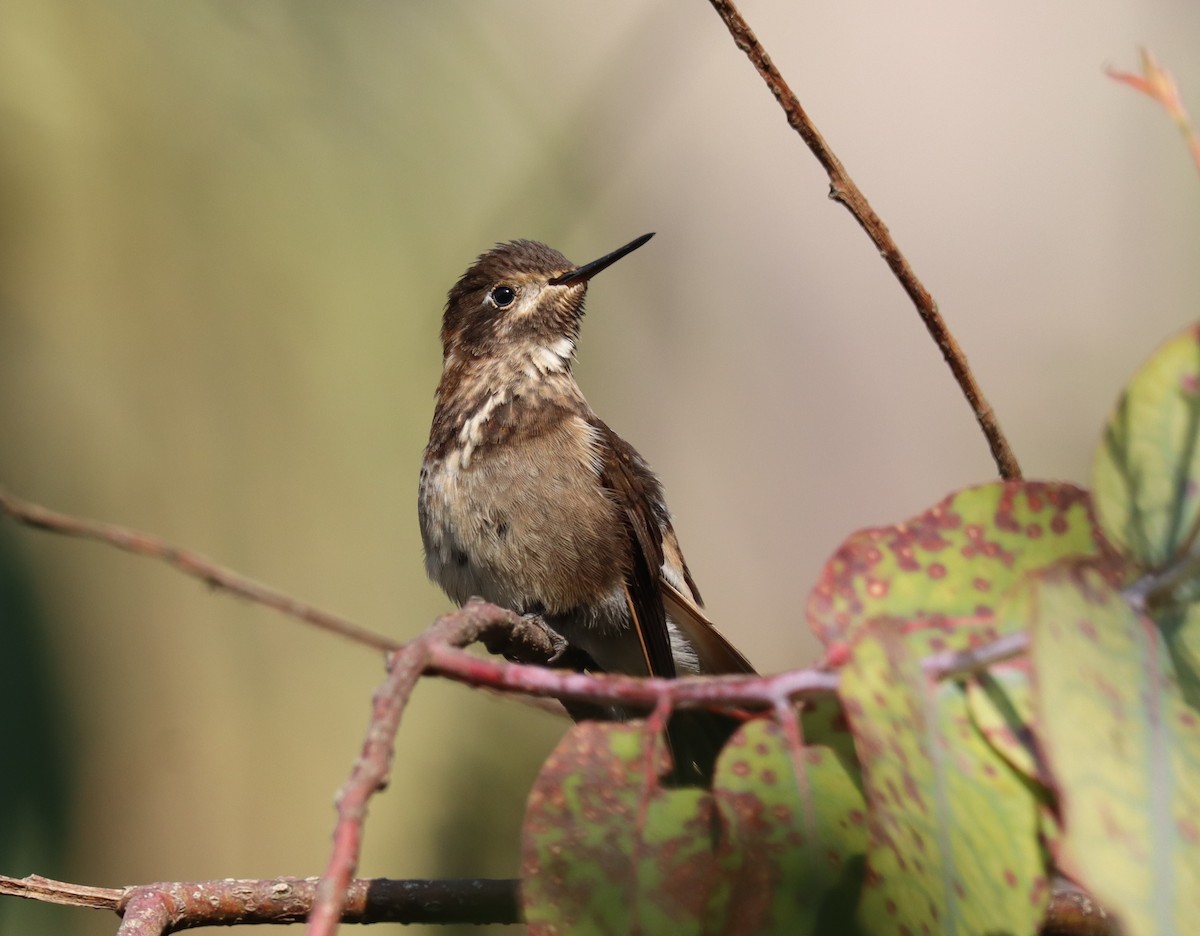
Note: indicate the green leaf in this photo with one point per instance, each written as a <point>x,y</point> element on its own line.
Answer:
<point>1001,706</point>
<point>953,561</point>
<point>953,829</point>
<point>1124,749</point>
<point>37,759</point>
<point>1144,475</point>
<point>1180,627</point>
<point>1000,699</point>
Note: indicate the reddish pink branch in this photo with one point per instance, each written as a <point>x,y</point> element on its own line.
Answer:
<point>373,767</point>
<point>725,692</point>
<point>146,913</point>
<point>369,774</point>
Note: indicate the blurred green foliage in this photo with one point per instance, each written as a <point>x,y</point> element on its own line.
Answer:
<point>37,772</point>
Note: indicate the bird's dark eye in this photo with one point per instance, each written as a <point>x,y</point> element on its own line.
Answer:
<point>503,296</point>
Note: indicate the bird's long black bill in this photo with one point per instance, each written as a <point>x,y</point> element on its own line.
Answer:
<point>588,270</point>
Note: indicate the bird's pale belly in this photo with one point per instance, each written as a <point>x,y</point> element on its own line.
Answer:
<point>518,535</point>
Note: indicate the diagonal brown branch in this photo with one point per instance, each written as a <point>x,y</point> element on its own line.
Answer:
<point>189,563</point>
<point>843,189</point>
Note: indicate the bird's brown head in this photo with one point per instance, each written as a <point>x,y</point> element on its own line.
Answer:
<point>521,298</point>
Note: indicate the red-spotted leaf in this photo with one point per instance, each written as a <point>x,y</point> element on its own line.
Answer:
<point>1124,749</point>
<point>953,843</point>
<point>1145,473</point>
<point>954,561</point>
<point>606,849</point>
<point>777,847</point>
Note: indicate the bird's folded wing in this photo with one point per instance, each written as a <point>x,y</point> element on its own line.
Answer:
<point>717,655</point>
<point>625,475</point>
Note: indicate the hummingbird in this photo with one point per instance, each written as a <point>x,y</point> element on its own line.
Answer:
<point>530,501</point>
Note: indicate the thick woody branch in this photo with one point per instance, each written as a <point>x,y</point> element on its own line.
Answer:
<point>186,905</point>
<point>1074,912</point>
<point>166,907</point>
<point>843,189</point>
<point>147,913</point>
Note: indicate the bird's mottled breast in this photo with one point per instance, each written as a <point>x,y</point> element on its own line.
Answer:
<point>511,508</point>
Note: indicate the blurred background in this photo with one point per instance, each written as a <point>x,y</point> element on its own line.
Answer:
<point>226,234</point>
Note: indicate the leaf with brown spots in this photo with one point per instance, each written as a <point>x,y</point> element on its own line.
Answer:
<point>953,844</point>
<point>1124,748</point>
<point>953,562</point>
<point>605,848</point>
<point>776,847</point>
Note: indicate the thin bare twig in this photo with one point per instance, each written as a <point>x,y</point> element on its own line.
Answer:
<point>184,905</point>
<point>954,664</point>
<point>46,890</point>
<point>843,189</point>
<point>189,563</point>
